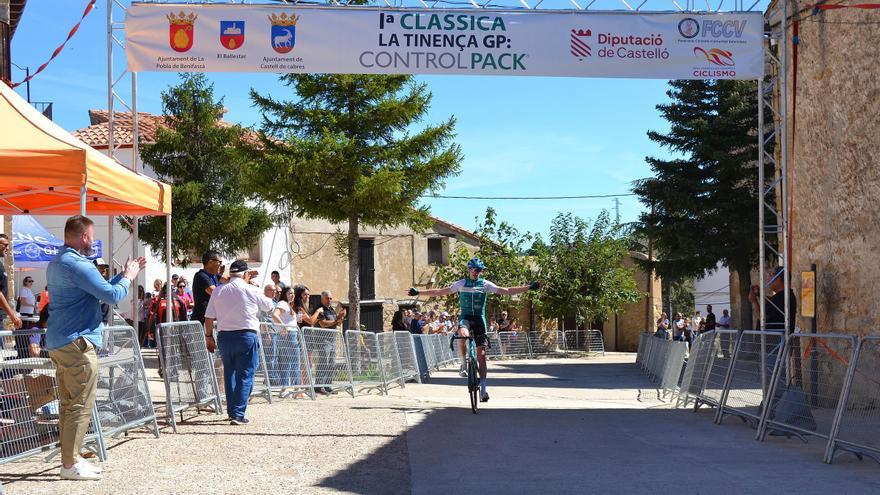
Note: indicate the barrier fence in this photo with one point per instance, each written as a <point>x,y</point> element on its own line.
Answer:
<point>367,372</point>
<point>284,354</point>
<point>808,385</point>
<point>406,350</point>
<point>187,369</point>
<point>29,404</point>
<point>389,360</point>
<point>328,360</point>
<point>123,399</point>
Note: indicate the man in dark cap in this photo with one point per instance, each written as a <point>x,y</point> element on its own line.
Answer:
<point>235,306</point>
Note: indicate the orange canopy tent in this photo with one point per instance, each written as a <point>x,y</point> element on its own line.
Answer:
<point>44,170</point>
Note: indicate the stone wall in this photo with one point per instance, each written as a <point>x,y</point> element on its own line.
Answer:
<point>835,167</point>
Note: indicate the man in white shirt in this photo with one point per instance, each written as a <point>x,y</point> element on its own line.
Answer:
<point>235,306</point>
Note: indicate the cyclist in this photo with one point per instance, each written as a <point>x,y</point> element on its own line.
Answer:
<point>473,294</point>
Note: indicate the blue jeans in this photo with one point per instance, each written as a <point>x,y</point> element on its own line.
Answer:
<point>285,356</point>
<point>239,351</point>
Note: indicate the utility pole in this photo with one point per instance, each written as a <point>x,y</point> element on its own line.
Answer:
<point>5,41</point>
<point>617,210</point>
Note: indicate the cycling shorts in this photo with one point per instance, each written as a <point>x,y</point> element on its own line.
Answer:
<point>476,327</point>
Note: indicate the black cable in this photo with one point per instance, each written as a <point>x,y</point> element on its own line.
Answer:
<point>596,196</point>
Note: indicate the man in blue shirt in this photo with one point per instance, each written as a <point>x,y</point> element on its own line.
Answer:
<point>76,289</point>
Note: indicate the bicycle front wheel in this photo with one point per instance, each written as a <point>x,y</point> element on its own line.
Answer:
<point>473,386</point>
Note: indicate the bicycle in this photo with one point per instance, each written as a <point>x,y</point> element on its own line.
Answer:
<point>473,376</point>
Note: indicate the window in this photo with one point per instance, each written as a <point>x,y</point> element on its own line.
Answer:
<point>438,248</point>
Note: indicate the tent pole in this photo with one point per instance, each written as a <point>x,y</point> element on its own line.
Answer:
<point>82,201</point>
<point>169,312</point>
<point>135,231</point>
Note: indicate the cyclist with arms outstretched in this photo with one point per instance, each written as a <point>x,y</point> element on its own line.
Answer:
<point>473,293</point>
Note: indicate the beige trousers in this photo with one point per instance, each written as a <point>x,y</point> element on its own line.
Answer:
<point>76,374</point>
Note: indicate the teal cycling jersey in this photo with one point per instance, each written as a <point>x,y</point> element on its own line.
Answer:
<point>473,296</point>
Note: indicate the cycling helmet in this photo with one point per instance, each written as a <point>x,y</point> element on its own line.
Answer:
<point>476,264</point>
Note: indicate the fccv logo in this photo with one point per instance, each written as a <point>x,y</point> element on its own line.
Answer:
<point>690,28</point>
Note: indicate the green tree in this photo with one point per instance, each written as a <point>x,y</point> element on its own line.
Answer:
<point>678,296</point>
<point>501,248</point>
<point>201,157</point>
<point>703,199</point>
<point>343,152</point>
<point>581,267</point>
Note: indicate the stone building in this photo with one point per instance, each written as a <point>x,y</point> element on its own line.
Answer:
<point>834,169</point>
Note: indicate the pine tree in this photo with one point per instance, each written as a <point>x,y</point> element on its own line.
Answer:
<point>201,158</point>
<point>342,151</point>
<point>704,200</point>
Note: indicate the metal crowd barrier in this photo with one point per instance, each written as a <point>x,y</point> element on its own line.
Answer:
<point>590,341</point>
<point>857,426</point>
<point>123,399</point>
<point>748,381</point>
<point>515,344</point>
<point>29,406</point>
<point>284,354</point>
<point>187,369</point>
<point>406,349</point>
<point>494,349</point>
<point>712,390</point>
<point>700,359</point>
<point>328,360</point>
<point>389,360</point>
<point>807,385</point>
<point>670,376</point>
<point>643,343</point>
<point>365,362</point>
<point>427,349</point>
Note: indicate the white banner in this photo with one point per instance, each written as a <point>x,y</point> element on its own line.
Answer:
<point>356,40</point>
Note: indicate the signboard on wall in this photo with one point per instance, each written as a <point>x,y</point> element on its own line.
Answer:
<point>369,40</point>
<point>808,294</point>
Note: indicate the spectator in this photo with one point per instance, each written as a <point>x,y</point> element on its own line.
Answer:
<point>159,309</point>
<point>157,285</point>
<point>301,297</point>
<point>397,321</point>
<point>417,324</point>
<point>235,307</point>
<point>285,350</point>
<point>276,279</point>
<point>724,321</point>
<point>4,289</point>
<point>754,296</point>
<point>775,319</point>
<point>143,314</point>
<point>709,322</point>
<point>514,325</point>
<point>662,327</point>
<point>204,283</point>
<point>34,345</point>
<point>679,327</point>
<point>43,299</point>
<point>271,291</point>
<point>184,296</point>
<point>724,324</point>
<point>75,331</point>
<point>503,324</point>
<point>328,318</point>
<point>27,301</point>
<point>407,318</point>
<point>696,322</point>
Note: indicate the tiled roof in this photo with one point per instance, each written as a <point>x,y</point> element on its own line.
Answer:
<point>97,135</point>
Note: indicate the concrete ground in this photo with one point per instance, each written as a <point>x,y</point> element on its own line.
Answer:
<point>552,426</point>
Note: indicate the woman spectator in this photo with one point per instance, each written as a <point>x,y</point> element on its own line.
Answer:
<point>301,306</point>
<point>662,327</point>
<point>27,302</point>
<point>284,349</point>
<point>143,313</point>
<point>184,296</point>
<point>397,323</point>
<point>43,300</point>
<point>34,345</point>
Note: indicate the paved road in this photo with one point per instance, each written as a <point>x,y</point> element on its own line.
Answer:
<point>552,427</point>
<point>598,426</point>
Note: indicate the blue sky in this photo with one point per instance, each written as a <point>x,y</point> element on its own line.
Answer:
<point>520,136</point>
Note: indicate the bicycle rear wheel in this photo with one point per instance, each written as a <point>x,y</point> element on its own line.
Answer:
<point>473,385</point>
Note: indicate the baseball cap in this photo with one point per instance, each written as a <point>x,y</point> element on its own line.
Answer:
<point>238,266</point>
<point>444,314</point>
<point>101,262</point>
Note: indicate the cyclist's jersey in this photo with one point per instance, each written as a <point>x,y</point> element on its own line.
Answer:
<point>473,296</point>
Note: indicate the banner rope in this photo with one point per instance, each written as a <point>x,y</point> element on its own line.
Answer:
<point>60,47</point>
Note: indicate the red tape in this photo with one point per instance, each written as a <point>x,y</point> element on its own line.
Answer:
<point>61,47</point>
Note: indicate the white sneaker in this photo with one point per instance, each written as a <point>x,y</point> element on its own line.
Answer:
<point>80,473</point>
<point>462,373</point>
<point>88,465</point>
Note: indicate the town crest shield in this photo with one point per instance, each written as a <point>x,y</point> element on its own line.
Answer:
<point>283,36</point>
<point>232,34</point>
<point>181,30</point>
